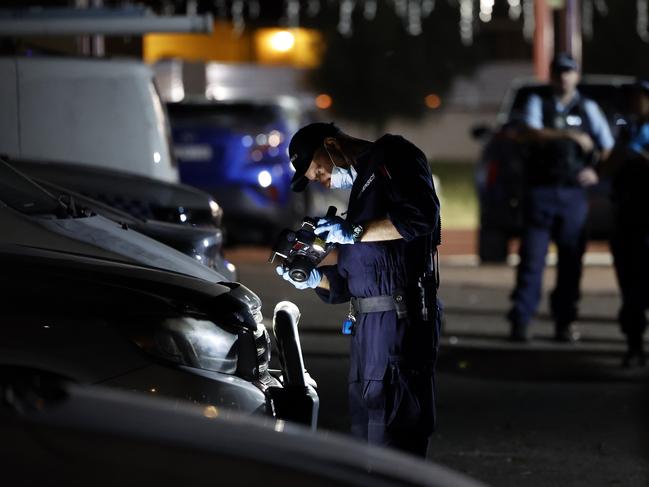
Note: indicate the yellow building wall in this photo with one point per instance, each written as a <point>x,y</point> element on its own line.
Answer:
<point>306,51</point>
<point>225,45</point>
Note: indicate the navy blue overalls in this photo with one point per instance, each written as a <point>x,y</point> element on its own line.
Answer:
<point>392,360</point>
<point>630,238</point>
<point>555,207</point>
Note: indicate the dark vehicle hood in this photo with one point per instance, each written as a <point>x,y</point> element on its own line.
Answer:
<point>64,272</point>
<point>96,236</point>
<point>32,261</point>
<point>143,197</point>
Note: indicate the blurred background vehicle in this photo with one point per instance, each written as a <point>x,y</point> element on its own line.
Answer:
<point>118,308</point>
<point>500,169</point>
<point>231,126</point>
<point>237,152</point>
<point>96,112</point>
<point>98,127</point>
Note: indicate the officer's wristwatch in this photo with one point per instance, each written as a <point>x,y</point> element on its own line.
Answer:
<point>357,232</point>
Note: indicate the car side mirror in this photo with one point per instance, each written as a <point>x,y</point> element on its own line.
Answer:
<point>480,131</point>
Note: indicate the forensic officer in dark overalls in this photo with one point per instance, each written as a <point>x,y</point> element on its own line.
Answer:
<point>385,270</point>
<point>565,134</point>
<point>630,239</point>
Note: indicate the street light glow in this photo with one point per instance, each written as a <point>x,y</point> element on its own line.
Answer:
<point>323,101</point>
<point>264,179</point>
<point>433,101</point>
<point>282,41</point>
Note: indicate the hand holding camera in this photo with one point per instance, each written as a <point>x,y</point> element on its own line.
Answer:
<point>302,250</point>
<point>312,281</point>
<point>337,230</point>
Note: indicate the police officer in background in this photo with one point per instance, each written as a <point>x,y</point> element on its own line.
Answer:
<point>630,239</point>
<point>566,134</point>
<point>385,270</point>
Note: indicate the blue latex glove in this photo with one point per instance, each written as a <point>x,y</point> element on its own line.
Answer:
<point>311,282</point>
<point>337,229</point>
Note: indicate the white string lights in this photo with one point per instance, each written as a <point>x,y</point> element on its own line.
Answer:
<point>602,7</point>
<point>515,9</point>
<point>414,18</point>
<point>293,13</point>
<point>529,21</point>
<point>427,7</point>
<point>313,8</point>
<point>401,7</point>
<point>253,9</point>
<point>221,8</point>
<point>587,11</point>
<point>345,17</point>
<point>466,22</point>
<point>238,20</point>
<point>486,10</point>
<point>642,24</point>
<point>413,13</point>
<point>369,9</point>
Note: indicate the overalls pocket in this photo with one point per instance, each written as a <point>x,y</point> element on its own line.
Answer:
<point>409,398</point>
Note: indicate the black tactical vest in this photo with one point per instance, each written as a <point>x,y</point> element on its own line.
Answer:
<point>557,162</point>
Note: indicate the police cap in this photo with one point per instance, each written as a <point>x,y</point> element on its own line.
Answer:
<point>643,84</point>
<point>563,62</point>
<point>302,147</point>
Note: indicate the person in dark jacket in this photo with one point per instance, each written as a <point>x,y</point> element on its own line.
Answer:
<point>566,133</point>
<point>630,238</point>
<point>386,244</point>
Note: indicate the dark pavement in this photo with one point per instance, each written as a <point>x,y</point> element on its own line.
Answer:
<point>510,415</point>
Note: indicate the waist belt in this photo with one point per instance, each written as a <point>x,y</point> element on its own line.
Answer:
<point>379,304</point>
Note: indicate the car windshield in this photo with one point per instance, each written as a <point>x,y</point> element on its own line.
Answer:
<point>22,194</point>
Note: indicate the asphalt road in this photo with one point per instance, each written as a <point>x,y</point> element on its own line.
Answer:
<point>510,415</point>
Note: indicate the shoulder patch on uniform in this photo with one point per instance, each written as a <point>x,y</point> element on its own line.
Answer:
<point>369,181</point>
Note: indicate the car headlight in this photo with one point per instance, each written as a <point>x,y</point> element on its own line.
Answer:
<point>195,343</point>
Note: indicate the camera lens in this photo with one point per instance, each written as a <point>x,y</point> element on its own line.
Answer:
<point>297,275</point>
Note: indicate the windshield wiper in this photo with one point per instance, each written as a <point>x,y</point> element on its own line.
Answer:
<point>23,194</point>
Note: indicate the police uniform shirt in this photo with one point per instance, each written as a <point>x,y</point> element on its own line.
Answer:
<point>629,189</point>
<point>599,128</point>
<point>640,141</point>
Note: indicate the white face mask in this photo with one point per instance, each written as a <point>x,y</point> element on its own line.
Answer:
<point>341,178</point>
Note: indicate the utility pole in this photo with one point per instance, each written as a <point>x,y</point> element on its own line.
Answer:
<point>558,29</point>
<point>543,39</point>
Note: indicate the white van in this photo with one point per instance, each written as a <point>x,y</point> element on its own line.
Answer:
<point>94,112</point>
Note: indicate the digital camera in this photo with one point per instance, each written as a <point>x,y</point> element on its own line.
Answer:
<point>302,250</point>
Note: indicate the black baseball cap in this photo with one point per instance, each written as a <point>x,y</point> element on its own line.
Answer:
<point>643,84</point>
<point>302,147</point>
<point>563,62</point>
